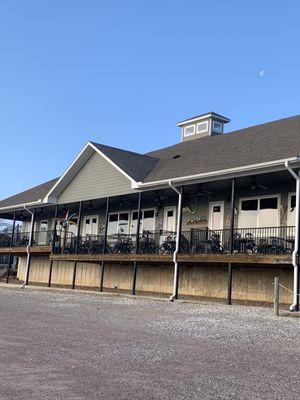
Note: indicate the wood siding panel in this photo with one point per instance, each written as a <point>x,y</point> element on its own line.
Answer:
<point>97,179</point>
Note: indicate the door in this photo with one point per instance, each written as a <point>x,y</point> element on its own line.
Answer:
<point>43,233</point>
<point>90,225</point>
<point>216,215</point>
<point>291,209</point>
<point>170,219</point>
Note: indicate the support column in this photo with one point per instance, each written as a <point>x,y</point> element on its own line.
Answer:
<point>77,243</point>
<point>10,257</point>
<point>29,245</point>
<point>231,239</point>
<point>53,244</point>
<point>178,238</point>
<point>137,241</point>
<point>104,242</point>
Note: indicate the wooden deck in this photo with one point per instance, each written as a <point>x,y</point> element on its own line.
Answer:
<point>182,258</point>
<point>21,251</point>
<point>154,258</point>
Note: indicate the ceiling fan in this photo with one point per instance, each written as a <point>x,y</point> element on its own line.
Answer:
<point>200,191</point>
<point>122,202</point>
<point>159,199</point>
<point>254,185</point>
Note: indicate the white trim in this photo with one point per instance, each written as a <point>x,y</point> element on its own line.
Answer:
<point>202,130</point>
<point>211,204</point>
<point>89,144</point>
<point>189,134</point>
<point>112,163</point>
<point>209,115</point>
<point>288,214</point>
<point>219,173</point>
<point>65,173</point>
<point>13,207</point>
<point>267,196</point>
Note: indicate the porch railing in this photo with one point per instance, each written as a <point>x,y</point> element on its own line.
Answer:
<point>270,240</point>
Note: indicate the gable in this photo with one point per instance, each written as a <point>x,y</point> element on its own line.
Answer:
<point>97,178</point>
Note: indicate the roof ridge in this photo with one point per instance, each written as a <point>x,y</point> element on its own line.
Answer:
<point>123,150</point>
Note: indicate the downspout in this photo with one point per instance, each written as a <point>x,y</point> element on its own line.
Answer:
<point>174,295</point>
<point>28,247</point>
<point>295,305</point>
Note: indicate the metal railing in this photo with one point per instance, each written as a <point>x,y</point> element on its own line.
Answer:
<point>269,240</point>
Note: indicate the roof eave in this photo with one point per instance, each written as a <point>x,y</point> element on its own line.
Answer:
<point>268,166</point>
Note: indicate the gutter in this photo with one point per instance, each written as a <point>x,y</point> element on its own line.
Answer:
<point>218,174</point>
<point>295,305</point>
<point>176,269</point>
<point>28,247</point>
<point>21,206</point>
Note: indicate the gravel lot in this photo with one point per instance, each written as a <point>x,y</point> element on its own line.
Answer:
<point>62,345</point>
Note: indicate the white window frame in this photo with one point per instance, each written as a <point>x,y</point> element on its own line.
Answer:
<point>83,224</point>
<point>278,196</point>
<point>202,130</point>
<point>187,127</point>
<point>290,194</point>
<point>217,122</point>
<point>132,232</point>
<point>166,209</point>
<point>121,212</point>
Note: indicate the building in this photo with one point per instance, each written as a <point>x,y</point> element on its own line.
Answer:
<point>112,220</point>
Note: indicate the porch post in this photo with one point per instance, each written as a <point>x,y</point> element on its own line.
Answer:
<point>229,274</point>
<point>77,243</point>
<point>104,242</point>
<point>178,237</point>
<point>29,245</point>
<point>10,257</point>
<point>137,241</point>
<point>53,244</point>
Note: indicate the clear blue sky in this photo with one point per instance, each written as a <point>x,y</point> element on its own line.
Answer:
<point>124,72</point>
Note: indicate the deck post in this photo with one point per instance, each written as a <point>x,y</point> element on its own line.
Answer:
<point>137,242</point>
<point>29,245</point>
<point>104,242</point>
<point>276,295</point>
<point>77,243</point>
<point>53,244</point>
<point>231,239</point>
<point>10,257</point>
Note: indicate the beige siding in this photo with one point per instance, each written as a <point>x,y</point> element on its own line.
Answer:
<point>97,179</point>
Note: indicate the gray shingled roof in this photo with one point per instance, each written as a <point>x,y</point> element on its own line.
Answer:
<point>30,195</point>
<point>267,142</point>
<point>136,165</point>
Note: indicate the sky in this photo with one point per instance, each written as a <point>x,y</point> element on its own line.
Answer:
<point>122,73</point>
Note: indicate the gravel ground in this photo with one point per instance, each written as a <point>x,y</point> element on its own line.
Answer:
<point>62,345</point>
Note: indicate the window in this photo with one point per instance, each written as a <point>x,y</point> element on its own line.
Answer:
<point>118,223</point>
<point>202,127</point>
<point>189,130</point>
<point>147,221</point>
<point>259,212</point>
<point>217,127</point>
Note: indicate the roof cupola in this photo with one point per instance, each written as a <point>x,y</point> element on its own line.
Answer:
<point>208,124</point>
